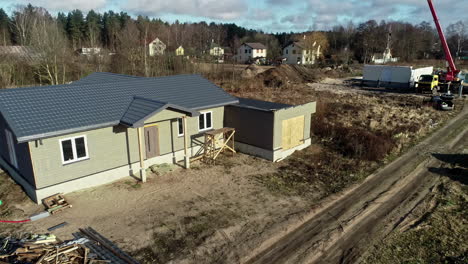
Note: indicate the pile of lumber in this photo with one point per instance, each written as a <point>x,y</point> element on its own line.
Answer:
<point>56,203</point>
<point>40,252</point>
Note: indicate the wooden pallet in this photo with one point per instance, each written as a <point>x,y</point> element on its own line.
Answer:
<point>56,203</point>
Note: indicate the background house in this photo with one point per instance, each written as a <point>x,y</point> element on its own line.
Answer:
<point>89,51</point>
<point>180,51</point>
<point>156,47</point>
<point>248,52</point>
<point>299,52</point>
<point>383,58</point>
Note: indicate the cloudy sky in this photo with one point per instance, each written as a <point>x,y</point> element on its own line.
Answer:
<point>268,15</point>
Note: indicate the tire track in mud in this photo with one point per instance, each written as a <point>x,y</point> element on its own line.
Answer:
<point>343,229</point>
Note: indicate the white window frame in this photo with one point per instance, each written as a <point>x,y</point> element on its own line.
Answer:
<point>206,127</point>
<point>180,120</point>
<point>74,149</point>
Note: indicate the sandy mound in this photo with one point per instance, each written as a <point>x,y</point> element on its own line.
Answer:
<point>251,71</point>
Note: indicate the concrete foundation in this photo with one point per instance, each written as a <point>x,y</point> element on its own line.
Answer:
<point>132,170</point>
<point>272,155</point>
<point>101,178</point>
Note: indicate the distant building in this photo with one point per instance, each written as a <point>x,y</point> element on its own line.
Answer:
<point>248,52</point>
<point>156,47</point>
<point>90,51</point>
<point>383,58</point>
<point>179,51</point>
<point>386,56</point>
<point>298,52</point>
<point>216,50</point>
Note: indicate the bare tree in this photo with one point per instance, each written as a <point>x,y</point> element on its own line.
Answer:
<point>50,48</point>
<point>457,34</point>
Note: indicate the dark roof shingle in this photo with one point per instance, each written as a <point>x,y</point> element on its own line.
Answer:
<point>45,111</point>
<point>255,45</point>
<point>260,105</point>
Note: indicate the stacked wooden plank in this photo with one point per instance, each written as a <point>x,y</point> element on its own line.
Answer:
<point>56,203</point>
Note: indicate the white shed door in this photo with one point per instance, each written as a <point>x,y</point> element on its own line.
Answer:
<point>11,148</point>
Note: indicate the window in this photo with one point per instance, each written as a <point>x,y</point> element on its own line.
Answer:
<point>250,51</point>
<point>180,127</point>
<point>205,121</point>
<point>287,51</point>
<point>294,51</point>
<point>74,149</point>
<point>246,51</point>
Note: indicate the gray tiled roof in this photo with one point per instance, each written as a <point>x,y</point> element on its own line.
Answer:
<point>45,111</point>
<point>102,77</point>
<point>142,108</point>
<point>255,45</point>
<point>260,105</point>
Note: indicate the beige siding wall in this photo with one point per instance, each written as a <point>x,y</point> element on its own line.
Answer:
<point>111,147</point>
<point>306,110</point>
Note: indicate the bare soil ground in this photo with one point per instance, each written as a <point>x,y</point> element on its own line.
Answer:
<point>217,214</point>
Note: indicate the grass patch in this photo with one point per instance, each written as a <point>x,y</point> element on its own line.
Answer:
<point>176,239</point>
<point>133,184</point>
<point>310,173</point>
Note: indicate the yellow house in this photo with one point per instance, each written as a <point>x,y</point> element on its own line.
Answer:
<point>179,51</point>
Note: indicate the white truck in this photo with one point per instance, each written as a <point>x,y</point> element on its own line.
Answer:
<point>393,76</point>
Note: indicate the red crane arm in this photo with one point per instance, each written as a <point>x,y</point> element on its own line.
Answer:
<point>453,71</point>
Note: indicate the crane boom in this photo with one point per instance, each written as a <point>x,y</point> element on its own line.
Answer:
<point>452,70</point>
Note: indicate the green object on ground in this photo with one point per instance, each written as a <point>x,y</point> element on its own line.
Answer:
<point>1,202</point>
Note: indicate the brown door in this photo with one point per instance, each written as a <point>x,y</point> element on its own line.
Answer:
<point>152,141</point>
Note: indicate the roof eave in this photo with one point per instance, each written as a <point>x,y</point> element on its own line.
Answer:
<point>23,139</point>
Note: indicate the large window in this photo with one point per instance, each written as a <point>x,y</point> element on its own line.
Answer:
<point>205,121</point>
<point>74,149</point>
<point>180,127</point>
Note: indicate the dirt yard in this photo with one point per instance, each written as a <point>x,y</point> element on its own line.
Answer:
<point>215,214</point>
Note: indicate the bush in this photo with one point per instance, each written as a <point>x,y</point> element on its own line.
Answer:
<point>354,142</point>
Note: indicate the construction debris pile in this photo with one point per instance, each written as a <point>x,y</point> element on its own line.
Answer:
<point>43,249</point>
<point>89,247</point>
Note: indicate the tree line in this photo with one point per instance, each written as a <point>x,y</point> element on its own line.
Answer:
<point>58,37</point>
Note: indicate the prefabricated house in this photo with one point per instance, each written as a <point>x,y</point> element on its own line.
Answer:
<point>250,51</point>
<point>298,53</point>
<point>156,47</point>
<point>393,76</point>
<point>63,138</point>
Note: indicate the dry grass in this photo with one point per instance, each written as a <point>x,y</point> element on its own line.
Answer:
<point>440,236</point>
<point>357,130</point>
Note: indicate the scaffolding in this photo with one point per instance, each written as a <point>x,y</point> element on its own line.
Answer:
<point>218,141</point>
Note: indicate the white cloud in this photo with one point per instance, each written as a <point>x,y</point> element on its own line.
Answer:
<point>261,14</point>
<point>215,9</point>
<point>66,5</point>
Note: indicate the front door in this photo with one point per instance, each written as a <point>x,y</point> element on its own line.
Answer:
<point>152,141</point>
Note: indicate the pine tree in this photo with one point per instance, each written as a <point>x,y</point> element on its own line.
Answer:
<point>75,27</point>
<point>5,33</point>
<point>93,28</point>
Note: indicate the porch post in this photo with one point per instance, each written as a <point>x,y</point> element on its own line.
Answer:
<point>186,155</point>
<point>142,159</point>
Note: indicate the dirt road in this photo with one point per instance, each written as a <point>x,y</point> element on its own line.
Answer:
<point>343,230</point>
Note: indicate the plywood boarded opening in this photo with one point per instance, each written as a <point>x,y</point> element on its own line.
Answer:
<point>293,132</point>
